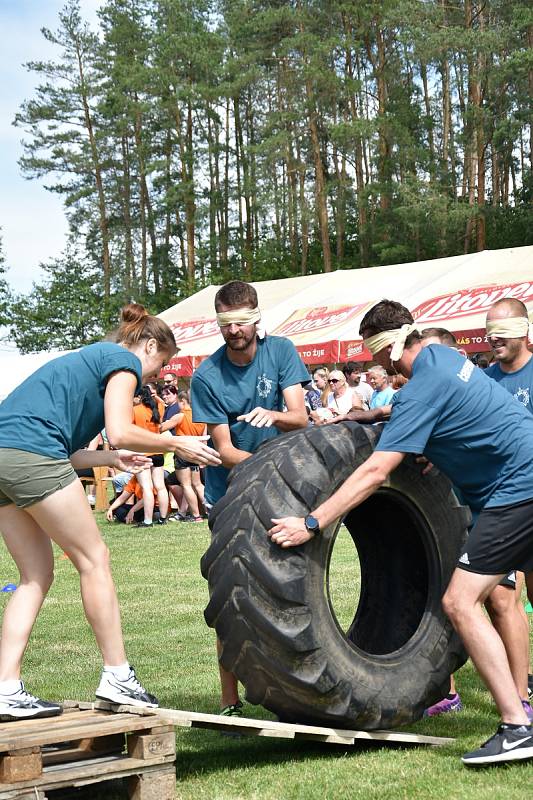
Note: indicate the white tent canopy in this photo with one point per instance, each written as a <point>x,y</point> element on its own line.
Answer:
<point>15,368</point>
<point>321,313</point>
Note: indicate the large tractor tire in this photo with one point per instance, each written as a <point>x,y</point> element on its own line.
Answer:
<point>271,607</point>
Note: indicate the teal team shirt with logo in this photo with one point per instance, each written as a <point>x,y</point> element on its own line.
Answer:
<point>222,391</point>
<point>60,407</point>
<point>518,383</point>
<point>467,425</point>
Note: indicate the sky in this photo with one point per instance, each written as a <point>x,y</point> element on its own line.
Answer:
<point>32,223</point>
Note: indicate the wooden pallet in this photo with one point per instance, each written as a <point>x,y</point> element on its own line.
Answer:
<point>88,745</point>
<point>282,730</point>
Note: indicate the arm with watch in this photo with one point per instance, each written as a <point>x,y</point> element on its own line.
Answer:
<point>293,531</point>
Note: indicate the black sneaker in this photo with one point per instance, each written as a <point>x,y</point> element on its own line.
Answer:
<point>129,692</point>
<point>144,525</point>
<point>162,521</point>
<point>530,686</point>
<point>507,744</point>
<point>23,705</point>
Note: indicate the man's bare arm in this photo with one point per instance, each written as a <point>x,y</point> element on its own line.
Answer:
<point>291,531</point>
<point>364,417</point>
<point>221,438</point>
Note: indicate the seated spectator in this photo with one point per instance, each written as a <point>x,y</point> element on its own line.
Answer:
<point>148,414</point>
<point>128,507</point>
<point>383,393</point>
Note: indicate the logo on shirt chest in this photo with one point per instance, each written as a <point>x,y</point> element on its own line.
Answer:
<point>264,385</point>
<point>522,395</point>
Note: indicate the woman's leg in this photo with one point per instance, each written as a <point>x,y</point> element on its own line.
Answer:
<point>198,486</point>
<point>144,479</point>
<point>31,551</point>
<point>158,479</point>
<point>77,534</point>
<point>184,477</point>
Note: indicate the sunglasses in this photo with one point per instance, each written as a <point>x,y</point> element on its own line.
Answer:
<point>334,380</point>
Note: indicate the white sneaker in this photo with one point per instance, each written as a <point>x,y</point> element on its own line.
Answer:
<point>129,692</point>
<point>23,705</point>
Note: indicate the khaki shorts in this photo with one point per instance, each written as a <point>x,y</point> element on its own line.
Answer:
<point>26,478</point>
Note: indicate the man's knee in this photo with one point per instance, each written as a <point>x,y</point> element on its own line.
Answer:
<point>501,603</point>
<point>451,604</point>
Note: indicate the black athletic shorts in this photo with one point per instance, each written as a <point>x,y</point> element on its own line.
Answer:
<point>501,541</point>
<point>509,581</point>
<point>158,460</point>
<point>180,463</point>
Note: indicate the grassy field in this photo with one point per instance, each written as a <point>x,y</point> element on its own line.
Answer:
<point>162,597</point>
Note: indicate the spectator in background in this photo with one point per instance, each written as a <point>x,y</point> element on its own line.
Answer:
<point>320,377</point>
<point>187,473</point>
<point>148,415</point>
<point>383,393</point>
<point>313,397</point>
<point>170,379</point>
<point>353,372</point>
<point>128,506</point>
<point>397,382</point>
<point>342,398</point>
<point>172,408</point>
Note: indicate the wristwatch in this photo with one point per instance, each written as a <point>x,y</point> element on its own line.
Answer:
<point>312,525</point>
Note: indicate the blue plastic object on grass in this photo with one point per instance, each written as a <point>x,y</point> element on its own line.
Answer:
<point>9,587</point>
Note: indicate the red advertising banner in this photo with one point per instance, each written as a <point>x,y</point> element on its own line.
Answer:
<point>183,366</point>
<point>354,351</point>
<point>469,302</point>
<point>323,353</point>
<point>192,329</point>
<point>304,323</point>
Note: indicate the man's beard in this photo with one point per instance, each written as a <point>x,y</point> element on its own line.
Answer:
<point>240,342</point>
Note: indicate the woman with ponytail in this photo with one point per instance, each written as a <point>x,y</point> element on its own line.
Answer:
<point>44,425</point>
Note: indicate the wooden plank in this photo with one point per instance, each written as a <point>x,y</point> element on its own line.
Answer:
<point>262,727</point>
<point>71,727</point>
<point>85,748</point>
<point>83,773</point>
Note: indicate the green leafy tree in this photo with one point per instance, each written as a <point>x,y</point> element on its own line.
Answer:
<point>64,311</point>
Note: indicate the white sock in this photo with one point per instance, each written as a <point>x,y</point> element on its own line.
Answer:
<point>9,687</point>
<point>147,521</point>
<point>120,672</point>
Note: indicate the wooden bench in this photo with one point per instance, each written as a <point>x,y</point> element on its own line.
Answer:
<point>101,476</point>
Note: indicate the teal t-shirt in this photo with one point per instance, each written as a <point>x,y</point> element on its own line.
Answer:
<point>467,425</point>
<point>60,407</point>
<point>382,398</point>
<point>222,391</point>
<point>518,383</point>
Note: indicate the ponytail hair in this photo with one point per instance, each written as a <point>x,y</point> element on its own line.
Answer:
<point>147,400</point>
<point>137,325</point>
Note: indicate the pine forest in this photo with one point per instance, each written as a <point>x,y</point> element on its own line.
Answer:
<point>195,141</point>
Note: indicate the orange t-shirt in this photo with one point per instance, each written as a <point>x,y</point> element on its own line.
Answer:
<point>133,486</point>
<point>142,416</point>
<point>187,427</point>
